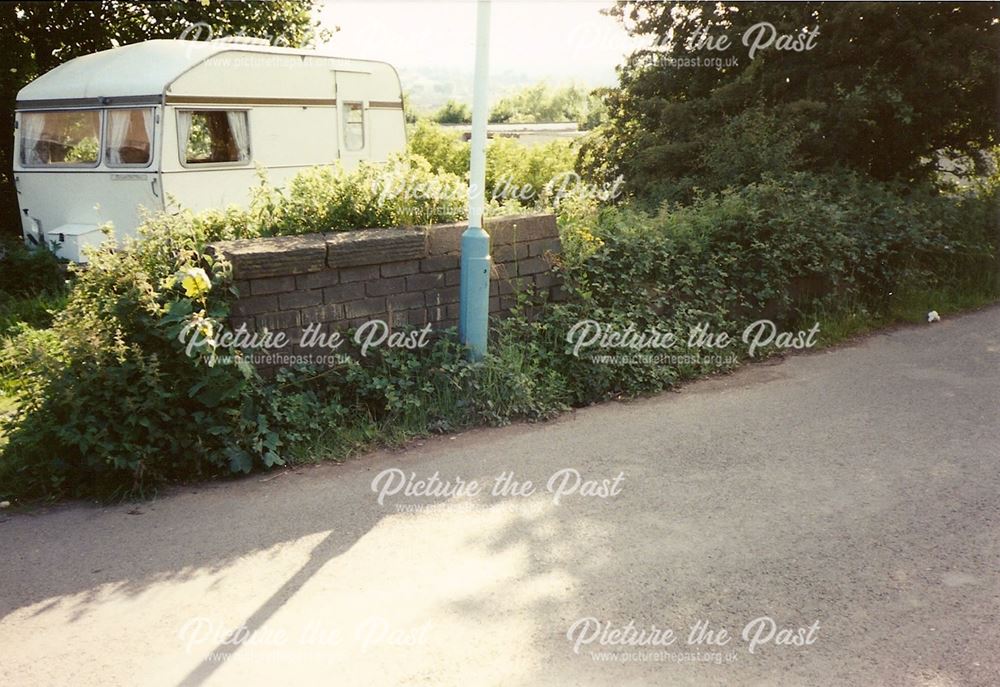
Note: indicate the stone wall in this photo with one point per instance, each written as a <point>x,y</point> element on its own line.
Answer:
<point>401,276</point>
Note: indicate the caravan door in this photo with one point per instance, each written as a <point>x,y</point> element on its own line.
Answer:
<point>352,110</point>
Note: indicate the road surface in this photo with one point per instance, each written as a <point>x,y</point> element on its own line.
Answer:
<point>837,513</point>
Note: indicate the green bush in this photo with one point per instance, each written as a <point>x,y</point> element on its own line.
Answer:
<point>453,112</point>
<point>109,402</point>
<point>513,171</point>
<point>27,272</point>
<point>405,191</point>
<point>528,173</point>
<point>442,149</point>
<point>778,249</point>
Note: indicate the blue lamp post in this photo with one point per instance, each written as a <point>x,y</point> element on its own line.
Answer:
<point>474,291</point>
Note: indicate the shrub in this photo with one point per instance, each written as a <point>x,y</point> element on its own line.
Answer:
<point>109,401</point>
<point>513,171</point>
<point>453,112</point>
<point>527,173</point>
<point>403,192</point>
<point>26,272</point>
<point>442,149</point>
<point>778,249</point>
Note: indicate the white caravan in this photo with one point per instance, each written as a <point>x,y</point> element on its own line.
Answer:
<point>104,135</point>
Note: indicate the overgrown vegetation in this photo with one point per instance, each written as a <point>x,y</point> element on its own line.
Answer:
<point>109,403</point>
<point>529,176</point>
<point>799,193</point>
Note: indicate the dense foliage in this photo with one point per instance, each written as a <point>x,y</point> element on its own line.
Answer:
<point>109,402</point>
<point>543,103</point>
<point>402,192</point>
<point>453,112</point>
<point>791,186</point>
<point>881,88</point>
<point>529,176</point>
<point>24,271</point>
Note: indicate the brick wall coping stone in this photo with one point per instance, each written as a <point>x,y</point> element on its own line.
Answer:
<point>307,253</point>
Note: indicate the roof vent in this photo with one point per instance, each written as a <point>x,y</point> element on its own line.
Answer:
<point>242,40</point>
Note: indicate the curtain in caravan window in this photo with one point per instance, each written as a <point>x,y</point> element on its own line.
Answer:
<point>147,124</point>
<point>214,136</point>
<point>32,125</point>
<point>118,123</point>
<point>238,127</point>
<point>61,137</point>
<point>183,131</point>
<point>129,137</point>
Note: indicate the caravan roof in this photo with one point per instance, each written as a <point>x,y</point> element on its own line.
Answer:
<point>150,68</point>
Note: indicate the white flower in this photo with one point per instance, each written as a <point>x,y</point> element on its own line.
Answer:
<point>933,316</point>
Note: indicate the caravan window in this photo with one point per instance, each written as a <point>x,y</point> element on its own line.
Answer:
<point>65,138</point>
<point>213,136</point>
<point>354,126</point>
<point>129,137</point>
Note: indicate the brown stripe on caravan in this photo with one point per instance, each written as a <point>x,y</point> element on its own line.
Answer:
<point>385,104</point>
<point>245,100</point>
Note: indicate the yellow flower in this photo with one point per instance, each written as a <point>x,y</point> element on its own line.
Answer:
<point>205,327</point>
<point>195,282</point>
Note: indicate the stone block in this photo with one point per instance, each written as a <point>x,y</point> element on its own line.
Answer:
<point>299,299</point>
<point>253,305</point>
<point>385,287</point>
<point>374,247</point>
<point>274,256</point>
<point>422,282</point>
<point>365,273</point>
<point>317,280</point>
<point>366,307</point>
<point>341,293</point>
<point>278,320</point>
<point>443,239</point>
<point>398,269</point>
<point>269,285</point>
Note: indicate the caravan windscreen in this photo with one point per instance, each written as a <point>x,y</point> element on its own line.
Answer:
<point>61,138</point>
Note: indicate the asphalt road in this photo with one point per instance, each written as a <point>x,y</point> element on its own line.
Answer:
<point>850,497</point>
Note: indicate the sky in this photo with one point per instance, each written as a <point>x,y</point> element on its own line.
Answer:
<point>554,40</point>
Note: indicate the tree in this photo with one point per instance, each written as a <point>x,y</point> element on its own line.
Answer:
<point>42,35</point>
<point>453,112</point>
<point>540,103</point>
<point>876,87</point>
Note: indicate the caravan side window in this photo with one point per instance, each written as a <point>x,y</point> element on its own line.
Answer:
<point>129,137</point>
<point>61,138</point>
<point>354,126</point>
<point>213,136</point>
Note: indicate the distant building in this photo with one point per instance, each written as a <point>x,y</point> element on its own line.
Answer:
<point>525,134</point>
